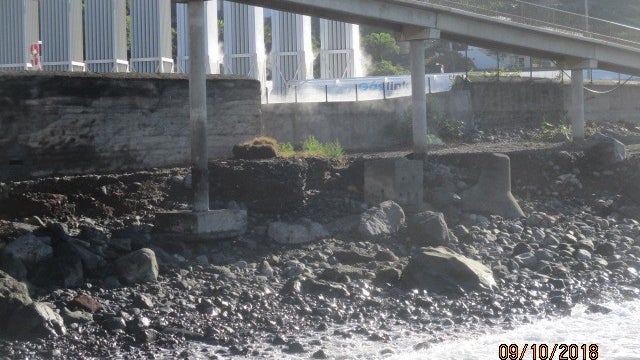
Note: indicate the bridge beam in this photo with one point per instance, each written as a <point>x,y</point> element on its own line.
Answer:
<point>576,112</point>
<point>416,38</point>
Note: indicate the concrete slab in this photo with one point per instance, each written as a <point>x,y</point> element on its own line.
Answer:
<point>210,225</point>
<point>399,180</point>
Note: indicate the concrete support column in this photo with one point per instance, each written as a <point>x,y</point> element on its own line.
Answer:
<point>577,105</point>
<point>291,52</point>
<point>19,29</point>
<point>418,97</point>
<point>417,37</point>
<point>211,41</point>
<point>340,55</point>
<point>198,106</point>
<point>244,52</point>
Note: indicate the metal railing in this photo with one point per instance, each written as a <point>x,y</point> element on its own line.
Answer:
<point>522,12</point>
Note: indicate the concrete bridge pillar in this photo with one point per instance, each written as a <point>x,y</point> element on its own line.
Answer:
<point>151,36</point>
<point>61,29</point>
<point>417,37</point>
<point>244,52</point>
<point>20,30</point>
<point>291,53</point>
<point>211,37</point>
<point>576,112</point>
<point>340,55</point>
<point>105,36</point>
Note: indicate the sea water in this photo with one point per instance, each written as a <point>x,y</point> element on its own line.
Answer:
<point>617,335</point>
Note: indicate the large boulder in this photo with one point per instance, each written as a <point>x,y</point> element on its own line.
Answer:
<point>428,228</point>
<point>29,249</point>
<point>441,270</point>
<point>602,151</point>
<point>302,232</point>
<point>20,317</point>
<point>138,266</point>
<point>384,219</point>
<point>36,320</point>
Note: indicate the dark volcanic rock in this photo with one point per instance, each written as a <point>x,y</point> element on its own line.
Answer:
<point>428,228</point>
<point>271,186</point>
<point>441,269</point>
<point>139,266</point>
<point>253,152</point>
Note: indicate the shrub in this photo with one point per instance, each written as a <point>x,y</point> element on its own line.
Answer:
<point>286,150</point>
<point>314,148</point>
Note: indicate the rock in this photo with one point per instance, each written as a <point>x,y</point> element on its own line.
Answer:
<point>520,248</point>
<point>86,303</point>
<point>527,260</point>
<point>582,254</point>
<point>138,266</point>
<point>76,317</point>
<point>202,260</point>
<point>36,320</point>
<point>142,301</point>
<point>296,348</point>
<point>304,232</point>
<point>606,249</point>
<point>13,295</point>
<point>492,194</point>
<point>585,244</point>
<point>266,269</point>
<point>384,219</point>
<point>313,286</point>
<point>386,255</point>
<point>14,267</point>
<point>59,271</point>
<point>320,354</point>
<point>352,256</point>
<point>30,249</point>
<point>441,269</point>
<point>602,151</point>
<point>428,228</point>
<point>388,275</point>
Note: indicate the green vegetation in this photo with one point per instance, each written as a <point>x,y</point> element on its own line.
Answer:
<point>386,68</point>
<point>381,45</point>
<point>551,133</point>
<point>311,147</point>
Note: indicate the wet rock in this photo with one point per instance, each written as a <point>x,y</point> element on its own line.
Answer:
<point>384,219</point>
<point>428,228</point>
<point>86,303</point>
<point>520,248</point>
<point>30,249</point>
<point>296,348</point>
<point>114,323</point>
<point>305,231</point>
<point>441,269</point>
<point>599,309</point>
<point>265,269</point>
<point>138,266</point>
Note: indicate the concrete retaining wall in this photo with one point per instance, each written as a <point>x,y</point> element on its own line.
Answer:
<point>82,123</point>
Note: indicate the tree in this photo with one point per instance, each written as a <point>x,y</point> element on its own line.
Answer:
<point>381,46</point>
<point>386,68</point>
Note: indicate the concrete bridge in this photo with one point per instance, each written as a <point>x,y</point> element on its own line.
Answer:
<point>575,42</point>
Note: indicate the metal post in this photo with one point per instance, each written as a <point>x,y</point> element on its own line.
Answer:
<point>266,91</point>
<point>429,84</point>
<point>198,106</point>
<point>530,68</point>
<point>326,93</point>
<point>466,61</point>
<point>498,62</point>
<point>295,93</point>
<point>419,98</point>
<point>356,92</point>
<point>384,89</point>
<point>619,78</point>
<point>577,105</point>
